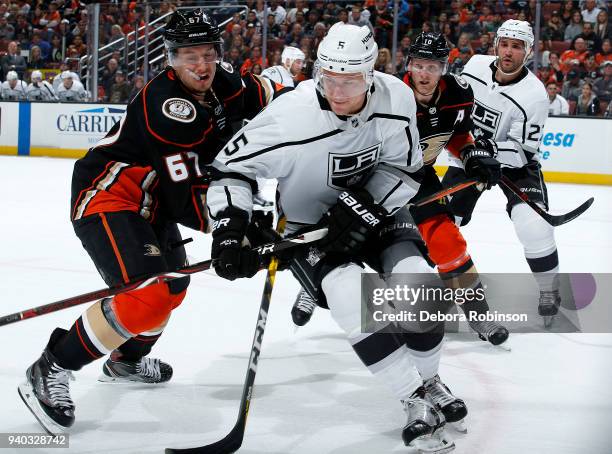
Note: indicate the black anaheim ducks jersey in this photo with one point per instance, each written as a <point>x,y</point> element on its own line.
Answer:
<point>151,161</point>
<point>445,122</point>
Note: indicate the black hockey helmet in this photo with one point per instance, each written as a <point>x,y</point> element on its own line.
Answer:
<point>191,28</point>
<point>429,46</point>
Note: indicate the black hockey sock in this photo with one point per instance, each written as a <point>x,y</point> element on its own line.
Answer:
<point>137,347</point>
<point>73,349</point>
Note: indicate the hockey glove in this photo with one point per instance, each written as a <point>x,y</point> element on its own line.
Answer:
<point>353,220</point>
<point>479,162</point>
<point>231,259</point>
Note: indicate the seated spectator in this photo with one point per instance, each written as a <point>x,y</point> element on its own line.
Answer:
<point>39,89</point>
<point>35,60</point>
<point>13,89</point>
<point>7,31</point>
<point>471,26</point>
<point>555,66</point>
<point>439,22</point>
<point>574,28</point>
<point>463,47</point>
<point>384,58</point>
<point>486,19</point>
<point>448,31</point>
<point>404,45</point>
<point>590,11</point>
<point>311,20</point>
<point>120,90</point>
<point>137,85</point>
<point>255,57</point>
<point>587,103</point>
<point>294,36</point>
<point>606,52</point>
<point>64,31</point>
<point>602,86</point>
<point>558,105</point>
<point>381,18</point>
<point>300,6</point>
<point>274,30</point>
<point>13,60</point>
<point>602,26</point>
<point>257,69</point>
<point>578,52</point>
<point>555,28</point>
<point>593,43</point>
<point>546,75</point>
<point>485,43</point>
<point>56,56</point>
<point>116,34</point>
<point>236,30</point>
<point>343,16</point>
<point>108,74</point>
<point>277,11</point>
<point>461,59</point>
<point>330,14</point>
<point>357,18</point>
<point>45,47</point>
<point>52,17</point>
<point>572,87</point>
<point>70,89</point>
<point>591,68</point>
<point>23,30</point>
<point>319,33</point>
<point>253,21</point>
<point>234,58</point>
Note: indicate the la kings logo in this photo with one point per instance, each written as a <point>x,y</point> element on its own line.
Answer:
<point>486,121</point>
<point>347,170</point>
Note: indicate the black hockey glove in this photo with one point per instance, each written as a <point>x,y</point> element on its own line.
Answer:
<point>232,260</point>
<point>479,162</point>
<point>353,220</point>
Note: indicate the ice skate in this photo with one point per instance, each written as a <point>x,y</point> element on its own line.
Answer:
<point>303,308</point>
<point>453,408</point>
<point>548,306</point>
<point>147,370</point>
<point>424,429</point>
<point>46,393</point>
<point>490,331</point>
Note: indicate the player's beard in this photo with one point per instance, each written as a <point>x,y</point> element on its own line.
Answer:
<point>508,70</point>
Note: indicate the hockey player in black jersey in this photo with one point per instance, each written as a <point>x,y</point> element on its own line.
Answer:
<point>128,194</point>
<point>444,105</point>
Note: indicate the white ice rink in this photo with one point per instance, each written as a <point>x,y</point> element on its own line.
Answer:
<point>551,395</point>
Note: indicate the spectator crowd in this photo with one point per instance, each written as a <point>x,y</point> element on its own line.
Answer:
<point>42,41</point>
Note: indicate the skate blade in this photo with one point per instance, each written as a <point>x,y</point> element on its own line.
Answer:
<point>548,320</point>
<point>437,443</point>
<point>505,347</point>
<point>460,426</point>
<point>26,392</point>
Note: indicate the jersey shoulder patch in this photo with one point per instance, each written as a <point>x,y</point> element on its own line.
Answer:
<point>179,109</point>
<point>226,66</point>
<point>461,81</point>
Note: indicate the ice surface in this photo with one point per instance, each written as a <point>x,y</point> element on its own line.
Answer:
<point>551,394</point>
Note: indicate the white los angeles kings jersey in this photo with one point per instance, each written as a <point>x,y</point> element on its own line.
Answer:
<point>513,114</point>
<point>315,155</point>
<point>280,75</point>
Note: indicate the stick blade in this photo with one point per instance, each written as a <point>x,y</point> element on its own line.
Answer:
<point>227,445</point>
<point>565,218</point>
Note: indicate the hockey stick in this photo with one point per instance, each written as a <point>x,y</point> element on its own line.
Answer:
<point>444,192</point>
<point>264,250</point>
<point>233,440</point>
<point>553,220</point>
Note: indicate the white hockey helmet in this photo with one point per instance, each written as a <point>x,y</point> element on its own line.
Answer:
<point>36,75</point>
<point>346,49</point>
<point>292,54</point>
<point>66,75</point>
<point>516,29</point>
<point>12,75</point>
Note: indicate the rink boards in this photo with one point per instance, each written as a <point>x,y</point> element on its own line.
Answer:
<point>574,150</point>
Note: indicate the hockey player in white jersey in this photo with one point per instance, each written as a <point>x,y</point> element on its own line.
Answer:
<point>39,89</point>
<point>351,161</point>
<point>292,61</point>
<point>510,109</point>
<point>71,89</point>
<point>13,89</point>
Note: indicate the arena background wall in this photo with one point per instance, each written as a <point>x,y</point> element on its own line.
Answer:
<point>574,149</point>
